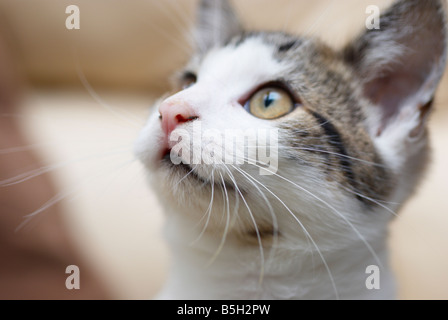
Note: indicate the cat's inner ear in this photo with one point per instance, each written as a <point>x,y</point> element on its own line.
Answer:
<point>217,23</point>
<point>400,64</point>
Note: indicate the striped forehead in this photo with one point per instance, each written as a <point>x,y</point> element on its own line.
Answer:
<point>241,67</point>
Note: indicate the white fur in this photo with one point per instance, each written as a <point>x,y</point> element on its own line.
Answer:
<point>291,273</point>
<point>328,260</point>
<point>328,238</point>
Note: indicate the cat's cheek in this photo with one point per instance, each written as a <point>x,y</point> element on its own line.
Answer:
<point>150,145</point>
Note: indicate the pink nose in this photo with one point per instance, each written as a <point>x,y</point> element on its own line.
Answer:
<point>173,114</point>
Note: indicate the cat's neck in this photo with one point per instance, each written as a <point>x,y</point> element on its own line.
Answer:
<point>237,272</point>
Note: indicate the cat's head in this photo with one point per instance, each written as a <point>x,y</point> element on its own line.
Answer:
<point>334,140</point>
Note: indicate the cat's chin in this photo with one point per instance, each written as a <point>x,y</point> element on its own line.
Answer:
<point>187,170</point>
<point>195,176</point>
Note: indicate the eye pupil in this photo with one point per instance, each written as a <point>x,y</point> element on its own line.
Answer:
<point>269,99</point>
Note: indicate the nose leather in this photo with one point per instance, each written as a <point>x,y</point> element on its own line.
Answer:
<point>175,113</point>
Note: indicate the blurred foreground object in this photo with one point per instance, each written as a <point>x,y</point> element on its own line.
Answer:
<point>34,259</point>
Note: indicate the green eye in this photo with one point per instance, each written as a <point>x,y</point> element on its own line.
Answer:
<point>270,103</point>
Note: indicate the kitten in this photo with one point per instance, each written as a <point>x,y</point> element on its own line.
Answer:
<point>346,144</point>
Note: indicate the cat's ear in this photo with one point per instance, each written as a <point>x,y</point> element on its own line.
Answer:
<point>217,23</point>
<point>400,64</point>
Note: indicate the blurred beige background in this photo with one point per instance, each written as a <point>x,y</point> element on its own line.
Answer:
<point>127,50</point>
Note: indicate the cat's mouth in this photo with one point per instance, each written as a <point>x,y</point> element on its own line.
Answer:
<point>190,172</point>
<point>187,169</point>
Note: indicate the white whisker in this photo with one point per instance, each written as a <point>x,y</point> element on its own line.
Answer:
<point>271,210</point>
<point>226,228</point>
<point>45,169</point>
<point>308,236</point>
<point>257,231</point>
<point>333,209</point>
<point>208,213</point>
<point>61,196</point>
<point>121,114</point>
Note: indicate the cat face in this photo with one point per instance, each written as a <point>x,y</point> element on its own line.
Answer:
<point>330,141</point>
